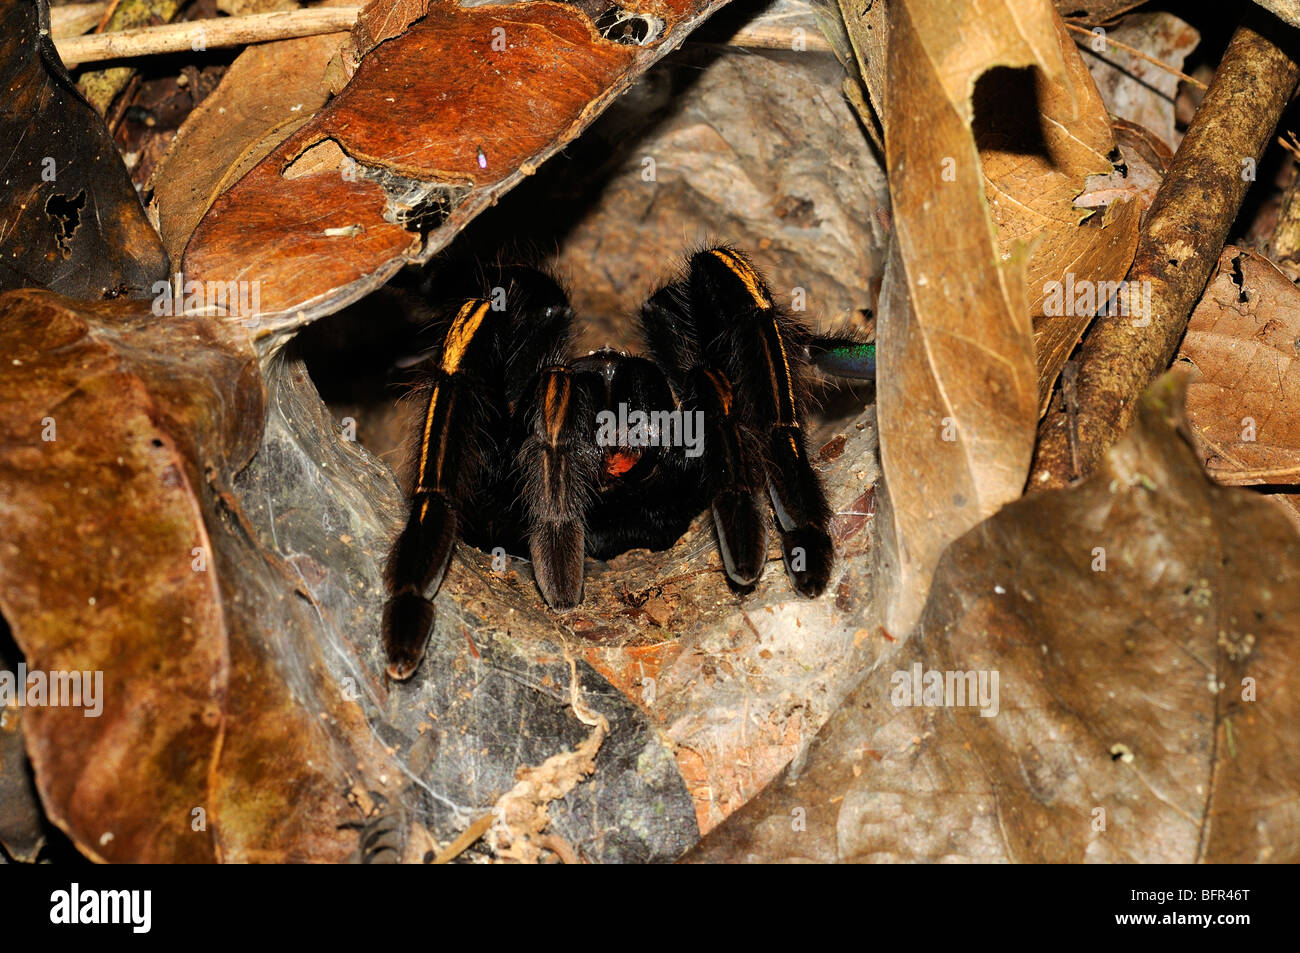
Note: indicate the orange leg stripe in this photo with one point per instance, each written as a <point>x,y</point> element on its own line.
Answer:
<point>428,426</point>
<point>787,382</point>
<point>723,387</point>
<point>555,406</point>
<point>462,331</point>
<point>753,284</point>
<point>442,445</point>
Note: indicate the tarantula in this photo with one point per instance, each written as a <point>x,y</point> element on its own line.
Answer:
<point>521,447</point>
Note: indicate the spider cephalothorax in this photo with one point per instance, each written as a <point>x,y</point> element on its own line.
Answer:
<point>522,448</point>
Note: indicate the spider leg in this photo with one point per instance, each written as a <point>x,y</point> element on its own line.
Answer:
<point>445,466</point>
<point>735,472</point>
<point>843,355</point>
<point>745,341</point>
<point>559,462</point>
<point>464,407</point>
<point>733,468</point>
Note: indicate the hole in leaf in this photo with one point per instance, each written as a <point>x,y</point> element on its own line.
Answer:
<point>65,213</point>
<point>1007,113</point>
<point>629,27</point>
<point>1239,279</point>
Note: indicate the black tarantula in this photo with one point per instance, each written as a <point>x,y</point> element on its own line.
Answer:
<point>523,448</point>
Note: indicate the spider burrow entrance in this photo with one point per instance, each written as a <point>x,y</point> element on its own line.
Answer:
<point>519,447</point>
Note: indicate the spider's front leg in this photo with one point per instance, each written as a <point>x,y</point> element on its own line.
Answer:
<point>559,463</point>
<point>445,466</point>
<point>723,338</point>
<point>489,346</point>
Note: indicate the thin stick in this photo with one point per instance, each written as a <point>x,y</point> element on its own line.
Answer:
<point>1178,246</point>
<point>760,35</point>
<point>205,34</point>
<point>68,22</point>
<point>465,840</point>
<point>1138,53</point>
<point>1234,477</point>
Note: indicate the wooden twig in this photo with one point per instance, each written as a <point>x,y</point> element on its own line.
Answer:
<point>205,34</point>
<point>1232,476</point>
<point>1179,244</point>
<point>759,35</point>
<point>69,22</point>
<point>466,839</point>
<point>1139,54</point>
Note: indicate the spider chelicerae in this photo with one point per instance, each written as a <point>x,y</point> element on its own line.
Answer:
<point>524,448</point>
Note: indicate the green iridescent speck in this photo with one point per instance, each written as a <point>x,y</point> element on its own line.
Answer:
<point>855,352</point>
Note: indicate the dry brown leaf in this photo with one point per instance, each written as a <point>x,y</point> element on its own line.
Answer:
<point>1243,340</point>
<point>1141,626</point>
<point>125,554</point>
<point>1038,153</point>
<point>958,381</point>
<point>1135,89</point>
<point>269,91</point>
<point>1144,157</point>
<point>69,218</point>
<point>436,124</point>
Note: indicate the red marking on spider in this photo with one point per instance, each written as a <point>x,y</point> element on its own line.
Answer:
<point>619,462</point>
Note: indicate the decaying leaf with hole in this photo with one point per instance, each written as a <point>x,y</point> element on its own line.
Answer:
<point>1040,139</point>
<point>1102,674</point>
<point>265,95</point>
<point>435,124</point>
<point>958,381</point>
<point>71,219</point>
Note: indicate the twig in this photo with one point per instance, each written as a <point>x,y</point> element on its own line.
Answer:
<point>467,837</point>
<point>758,35</point>
<point>1233,477</point>
<point>205,34</point>
<point>1179,244</point>
<point>68,22</point>
<point>1140,55</point>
